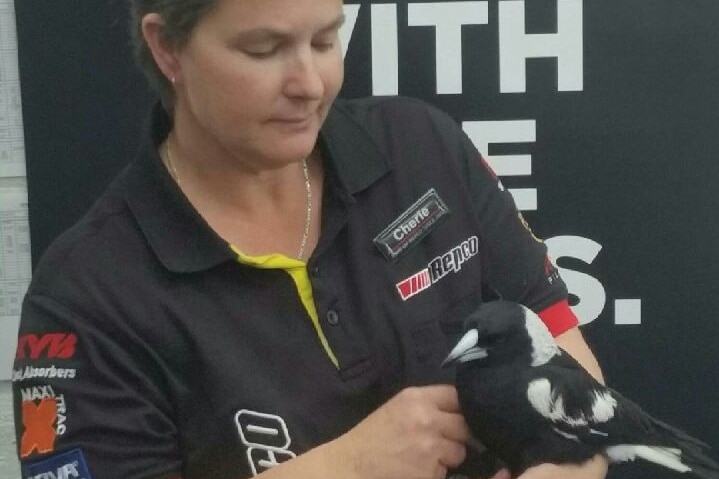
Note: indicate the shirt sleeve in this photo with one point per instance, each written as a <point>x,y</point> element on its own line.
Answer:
<point>516,265</point>
<point>559,318</point>
<point>88,400</point>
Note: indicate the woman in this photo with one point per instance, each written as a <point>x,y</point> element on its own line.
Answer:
<point>269,287</point>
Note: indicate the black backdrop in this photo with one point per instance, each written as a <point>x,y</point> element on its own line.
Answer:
<point>623,165</point>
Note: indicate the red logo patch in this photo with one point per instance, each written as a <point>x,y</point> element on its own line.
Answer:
<point>450,262</point>
<point>39,421</point>
<point>414,284</point>
<point>51,346</point>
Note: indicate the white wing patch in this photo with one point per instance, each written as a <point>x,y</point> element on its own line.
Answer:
<point>604,406</point>
<point>550,404</point>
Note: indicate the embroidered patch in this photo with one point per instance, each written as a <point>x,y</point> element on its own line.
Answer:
<point>416,283</point>
<point>47,346</point>
<point>44,414</point>
<point>412,225</point>
<point>68,465</point>
<point>266,437</point>
<point>450,262</point>
<point>550,271</point>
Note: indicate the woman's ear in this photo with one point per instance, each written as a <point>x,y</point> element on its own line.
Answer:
<point>164,53</point>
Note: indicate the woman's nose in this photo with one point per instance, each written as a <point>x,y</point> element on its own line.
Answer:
<point>304,79</point>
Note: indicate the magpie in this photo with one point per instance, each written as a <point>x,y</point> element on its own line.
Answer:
<point>529,402</point>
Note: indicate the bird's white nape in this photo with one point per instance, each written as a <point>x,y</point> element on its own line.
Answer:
<point>543,346</point>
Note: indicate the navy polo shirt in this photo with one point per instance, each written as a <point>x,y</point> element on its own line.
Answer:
<point>150,348</point>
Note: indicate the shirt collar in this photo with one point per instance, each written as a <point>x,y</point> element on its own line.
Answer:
<point>181,239</point>
<point>179,236</point>
<point>350,150</point>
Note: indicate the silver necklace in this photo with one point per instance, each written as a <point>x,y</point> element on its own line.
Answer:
<point>170,163</point>
<point>308,212</point>
<point>308,196</point>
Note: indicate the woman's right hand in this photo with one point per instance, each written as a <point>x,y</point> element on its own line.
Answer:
<point>418,434</point>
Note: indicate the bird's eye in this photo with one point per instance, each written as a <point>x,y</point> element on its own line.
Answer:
<point>495,339</point>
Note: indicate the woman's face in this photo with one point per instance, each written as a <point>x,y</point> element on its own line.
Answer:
<point>257,77</point>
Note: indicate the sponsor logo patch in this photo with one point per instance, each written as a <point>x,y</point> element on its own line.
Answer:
<point>266,438</point>
<point>68,465</point>
<point>450,262</point>
<point>43,417</point>
<point>50,346</point>
<point>551,271</point>
<point>412,225</point>
<point>51,372</point>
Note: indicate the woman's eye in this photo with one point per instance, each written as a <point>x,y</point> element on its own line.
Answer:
<point>326,41</point>
<point>323,46</point>
<point>260,49</point>
<point>264,53</point>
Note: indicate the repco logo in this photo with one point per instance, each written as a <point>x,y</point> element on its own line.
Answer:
<point>450,262</point>
<point>51,346</point>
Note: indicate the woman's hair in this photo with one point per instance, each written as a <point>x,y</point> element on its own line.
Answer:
<point>180,17</point>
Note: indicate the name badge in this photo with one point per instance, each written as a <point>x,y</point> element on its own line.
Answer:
<point>412,225</point>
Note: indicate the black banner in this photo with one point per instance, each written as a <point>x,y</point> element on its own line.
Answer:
<point>601,116</point>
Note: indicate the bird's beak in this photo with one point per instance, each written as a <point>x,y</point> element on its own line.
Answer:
<point>465,350</point>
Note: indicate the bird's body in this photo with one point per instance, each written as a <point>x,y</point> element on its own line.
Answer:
<point>531,403</point>
<point>512,430</point>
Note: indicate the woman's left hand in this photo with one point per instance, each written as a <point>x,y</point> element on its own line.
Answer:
<point>502,474</point>
<point>595,468</point>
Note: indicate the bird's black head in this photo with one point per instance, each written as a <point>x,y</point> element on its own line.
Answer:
<point>501,332</point>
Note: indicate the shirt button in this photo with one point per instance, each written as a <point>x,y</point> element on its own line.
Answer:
<point>333,318</point>
<point>316,271</point>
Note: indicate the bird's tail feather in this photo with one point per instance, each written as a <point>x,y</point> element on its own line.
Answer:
<point>693,452</point>
<point>664,456</point>
<point>689,460</point>
<point>702,465</point>
<point>705,473</point>
<point>679,435</point>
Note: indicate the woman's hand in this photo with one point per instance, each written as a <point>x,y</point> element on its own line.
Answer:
<point>595,468</point>
<point>502,474</point>
<point>418,434</point>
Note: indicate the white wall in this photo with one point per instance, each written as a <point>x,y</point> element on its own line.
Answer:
<point>14,228</point>
<point>9,466</point>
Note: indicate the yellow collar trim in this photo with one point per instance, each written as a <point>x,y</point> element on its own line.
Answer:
<point>297,270</point>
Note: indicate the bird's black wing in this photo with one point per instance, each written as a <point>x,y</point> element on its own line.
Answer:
<point>603,409</point>
<point>572,402</point>
<point>580,406</point>
<point>584,411</point>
